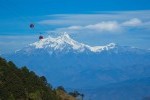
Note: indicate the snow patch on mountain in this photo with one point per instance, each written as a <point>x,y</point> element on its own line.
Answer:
<point>60,43</point>
<point>101,48</point>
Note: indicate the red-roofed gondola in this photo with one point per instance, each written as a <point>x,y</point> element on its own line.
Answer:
<point>41,37</point>
<point>31,25</point>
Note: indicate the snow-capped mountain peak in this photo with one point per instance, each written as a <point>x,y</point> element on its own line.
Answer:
<point>59,43</point>
<point>66,43</point>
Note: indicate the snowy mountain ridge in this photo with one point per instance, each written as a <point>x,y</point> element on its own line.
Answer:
<point>65,43</point>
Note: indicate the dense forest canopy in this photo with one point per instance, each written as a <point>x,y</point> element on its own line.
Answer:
<point>22,84</point>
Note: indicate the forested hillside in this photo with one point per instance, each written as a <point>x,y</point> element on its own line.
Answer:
<point>22,84</point>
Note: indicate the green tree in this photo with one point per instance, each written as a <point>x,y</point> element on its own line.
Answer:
<point>23,84</point>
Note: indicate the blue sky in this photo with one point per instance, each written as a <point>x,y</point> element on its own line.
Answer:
<point>95,22</point>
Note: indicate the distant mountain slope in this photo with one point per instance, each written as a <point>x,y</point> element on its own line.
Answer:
<point>22,84</point>
<point>136,89</point>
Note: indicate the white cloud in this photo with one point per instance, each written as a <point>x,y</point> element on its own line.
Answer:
<point>104,26</point>
<point>75,27</point>
<point>101,22</point>
<point>86,19</point>
<point>132,22</point>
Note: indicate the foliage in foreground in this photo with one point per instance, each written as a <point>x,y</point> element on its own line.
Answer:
<point>22,84</point>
